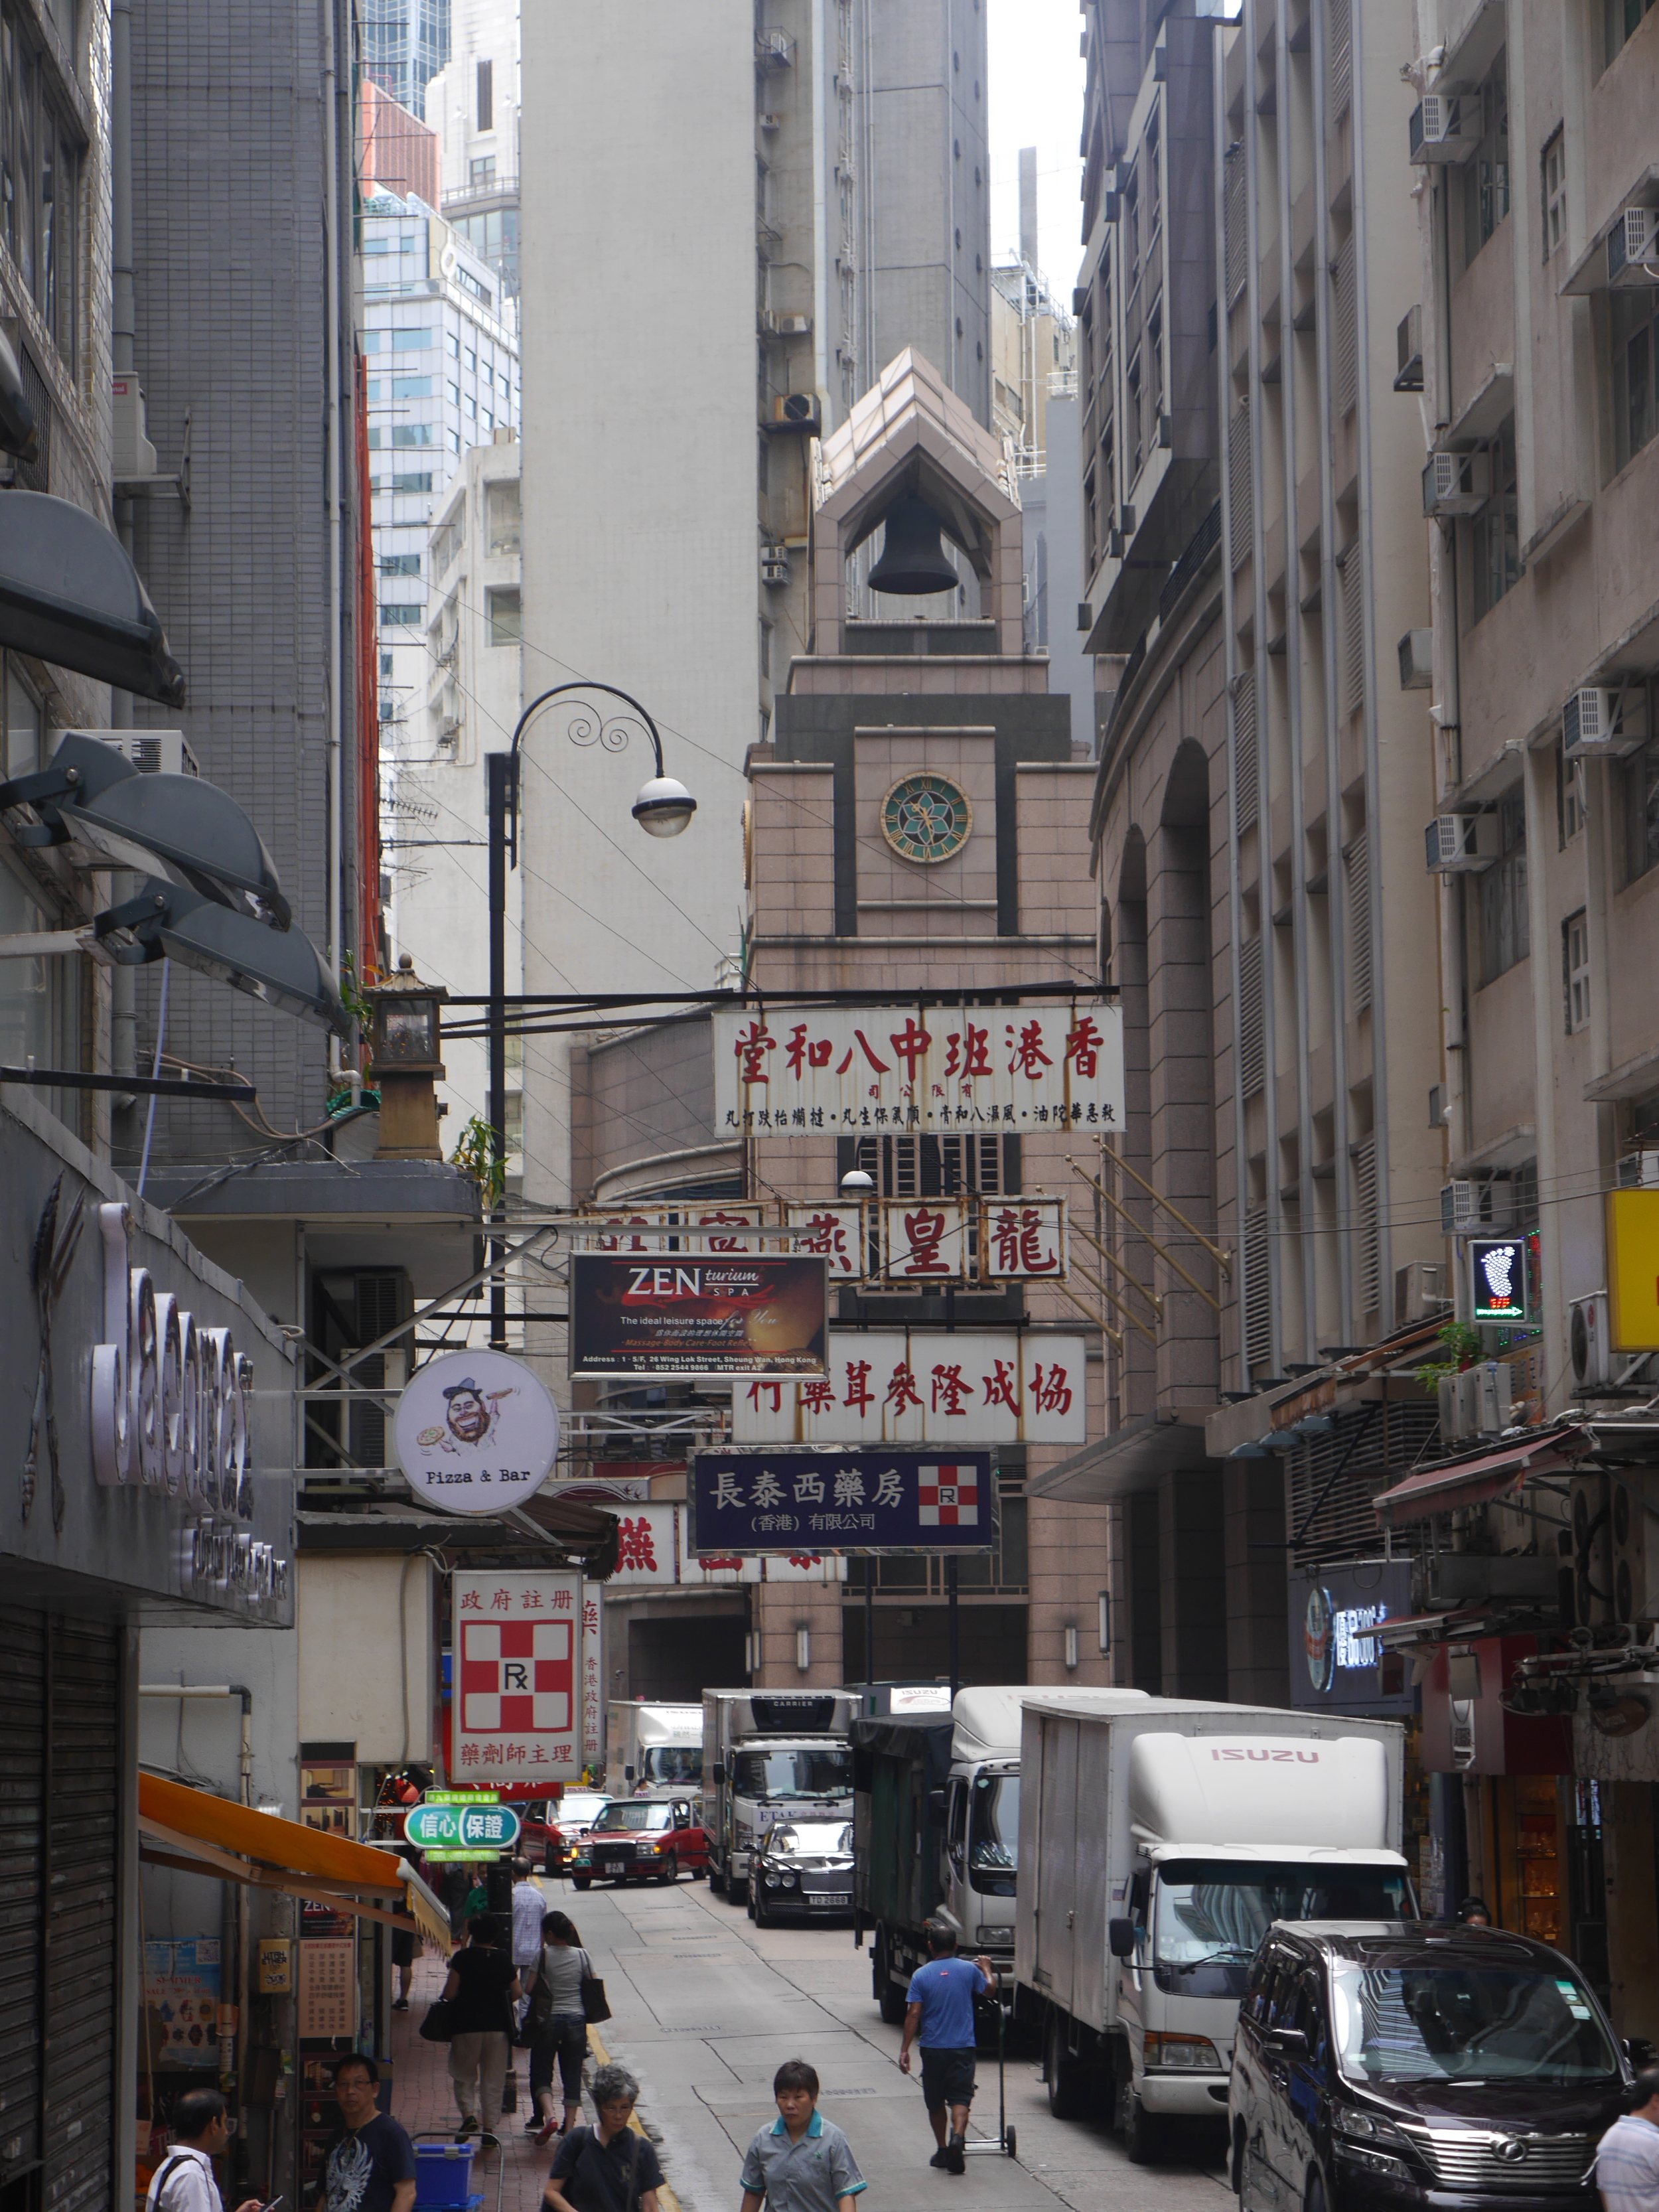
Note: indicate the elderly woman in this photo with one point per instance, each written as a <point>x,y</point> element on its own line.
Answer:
<point>608,2168</point>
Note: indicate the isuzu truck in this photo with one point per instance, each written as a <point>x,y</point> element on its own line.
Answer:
<point>770,1755</point>
<point>649,1747</point>
<point>1157,1844</point>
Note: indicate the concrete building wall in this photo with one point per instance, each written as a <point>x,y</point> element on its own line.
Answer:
<point>367,1639</point>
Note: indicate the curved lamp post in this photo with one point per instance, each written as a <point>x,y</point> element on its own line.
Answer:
<point>663,808</point>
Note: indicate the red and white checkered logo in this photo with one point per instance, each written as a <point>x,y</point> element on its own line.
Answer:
<point>950,1496</point>
<point>518,1677</point>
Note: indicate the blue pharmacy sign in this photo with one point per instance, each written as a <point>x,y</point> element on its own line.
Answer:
<point>766,1500</point>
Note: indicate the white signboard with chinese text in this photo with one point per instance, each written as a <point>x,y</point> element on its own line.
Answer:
<point>1020,1069</point>
<point>1021,1239</point>
<point>712,1228</point>
<point>517,1677</point>
<point>593,1653</point>
<point>655,1547</point>
<point>924,1386</point>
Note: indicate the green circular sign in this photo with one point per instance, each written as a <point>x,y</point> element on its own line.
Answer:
<point>927,818</point>
<point>461,1827</point>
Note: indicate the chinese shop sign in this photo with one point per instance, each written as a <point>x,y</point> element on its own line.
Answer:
<point>845,1068</point>
<point>884,1501</point>
<point>517,1693</point>
<point>654,1545</point>
<point>924,1386</point>
<point>696,1316</point>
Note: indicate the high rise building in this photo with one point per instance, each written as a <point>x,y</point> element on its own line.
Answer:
<point>473,105</point>
<point>404,44</point>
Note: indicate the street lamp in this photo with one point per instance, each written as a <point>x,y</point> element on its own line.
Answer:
<point>663,808</point>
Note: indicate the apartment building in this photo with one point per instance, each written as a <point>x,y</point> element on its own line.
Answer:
<point>472,105</point>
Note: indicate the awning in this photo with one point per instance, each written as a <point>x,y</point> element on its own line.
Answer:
<point>1131,1459</point>
<point>198,1833</point>
<point>1476,1481</point>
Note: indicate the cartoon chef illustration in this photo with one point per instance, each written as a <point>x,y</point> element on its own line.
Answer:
<point>470,1414</point>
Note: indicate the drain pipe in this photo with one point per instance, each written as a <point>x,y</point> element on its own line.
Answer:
<point>216,1690</point>
<point>124,325</point>
<point>336,654</point>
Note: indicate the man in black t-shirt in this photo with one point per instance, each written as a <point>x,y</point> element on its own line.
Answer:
<point>371,2169</point>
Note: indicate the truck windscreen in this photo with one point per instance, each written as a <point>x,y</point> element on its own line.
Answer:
<point>776,1776</point>
<point>1211,1913</point>
<point>664,1764</point>
<point>994,1834</point>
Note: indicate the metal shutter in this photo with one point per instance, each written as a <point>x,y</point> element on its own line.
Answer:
<point>22,1795</point>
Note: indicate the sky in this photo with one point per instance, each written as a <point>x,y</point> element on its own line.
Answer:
<point>1035,97</point>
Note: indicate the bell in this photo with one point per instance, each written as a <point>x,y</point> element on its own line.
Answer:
<point>912,558</point>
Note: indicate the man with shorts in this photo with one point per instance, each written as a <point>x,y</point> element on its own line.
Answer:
<point>940,2017</point>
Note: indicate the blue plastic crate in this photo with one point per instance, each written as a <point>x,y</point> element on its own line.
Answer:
<point>443,2175</point>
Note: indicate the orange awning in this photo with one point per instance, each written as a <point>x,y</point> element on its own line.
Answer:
<point>1477,1481</point>
<point>198,1833</point>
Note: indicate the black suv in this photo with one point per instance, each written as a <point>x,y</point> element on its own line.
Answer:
<point>1417,2069</point>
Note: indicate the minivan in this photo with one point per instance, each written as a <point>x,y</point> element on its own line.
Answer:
<point>1414,2068</point>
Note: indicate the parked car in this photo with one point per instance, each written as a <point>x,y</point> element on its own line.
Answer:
<point>802,1867</point>
<point>568,1821</point>
<point>1403,2065</point>
<point>642,1839</point>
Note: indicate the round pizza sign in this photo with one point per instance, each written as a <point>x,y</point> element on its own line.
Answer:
<point>475,1432</point>
<point>926,818</point>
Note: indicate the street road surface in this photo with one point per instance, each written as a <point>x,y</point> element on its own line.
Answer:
<point>706,2007</point>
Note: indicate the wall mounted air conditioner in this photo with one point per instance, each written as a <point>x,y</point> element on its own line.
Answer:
<point>773,50</point>
<point>1638,1171</point>
<point>1632,245</point>
<point>1417,660</point>
<point>1462,844</point>
<point>1420,1289</point>
<point>774,564</point>
<point>1597,725</point>
<point>1460,1207</point>
<point>1587,1340</point>
<point>1443,129</point>
<point>1635,1557</point>
<point>132,454</point>
<point>797,410</point>
<point>792,327</point>
<point>1487,1390</point>
<point>1456,483</point>
<point>152,752</point>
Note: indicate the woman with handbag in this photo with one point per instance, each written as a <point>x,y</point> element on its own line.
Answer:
<point>559,2023</point>
<point>481,1991</point>
<point>608,2168</point>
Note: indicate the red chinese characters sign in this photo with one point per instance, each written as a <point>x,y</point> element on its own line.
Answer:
<point>923,1386</point>
<point>516,1677</point>
<point>785,1073</point>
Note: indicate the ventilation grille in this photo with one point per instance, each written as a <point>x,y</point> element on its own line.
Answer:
<point>1344,361</point>
<point>1252,1053</point>
<point>1239,515</point>
<point>932,1167</point>
<point>1341,53</point>
<point>1353,635</point>
<point>1258,1291</point>
<point>1236,216</point>
<point>1357,863</point>
<point>1368,1285</point>
<point>1343,1526</point>
<point>1248,769</point>
<point>36,475</point>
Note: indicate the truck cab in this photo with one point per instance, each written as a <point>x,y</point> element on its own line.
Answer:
<point>771,1755</point>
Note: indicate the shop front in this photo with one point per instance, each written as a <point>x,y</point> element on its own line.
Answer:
<point>146,1430</point>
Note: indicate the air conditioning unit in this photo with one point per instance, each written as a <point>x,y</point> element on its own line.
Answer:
<point>771,123</point>
<point>798,410</point>
<point>1631,245</point>
<point>1487,1396</point>
<point>1456,483</point>
<point>774,564</point>
<point>1420,1289</point>
<point>1635,1558</point>
<point>1462,844</point>
<point>1460,1207</point>
<point>1408,350</point>
<point>369,1420</point>
<point>792,327</point>
<point>152,752</point>
<point>1417,660</point>
<point>1442,131</point>
<point>1638,1171</point>
<point>132,454</point>
<point>1596,726</point>
<point>1587,1340</point>
<point>773,50</point>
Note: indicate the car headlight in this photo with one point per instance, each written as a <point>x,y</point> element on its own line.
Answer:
<point>771,1881</point>
<point>1188,2053</point>
<point>789,1881</point>
<point>1371,2128</point>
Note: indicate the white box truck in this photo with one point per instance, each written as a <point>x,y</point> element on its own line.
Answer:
<point>653,1747</point>
<point>770,1755</point>
<point>1157,1846</point>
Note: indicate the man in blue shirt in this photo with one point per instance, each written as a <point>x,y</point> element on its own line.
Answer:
<point>940,2017</point>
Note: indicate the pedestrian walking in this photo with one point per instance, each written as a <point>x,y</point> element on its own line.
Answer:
<point>529,1911</point>
<point>939,2016</point>
<point>609,2167</point>
<point>1627,2156</point>
<point>483,1988</point>
<point>371,2165</point>
<point>184,2180</point>
<point>403,1940</point>
<point>802,2162</point>
<point>560,2025</point>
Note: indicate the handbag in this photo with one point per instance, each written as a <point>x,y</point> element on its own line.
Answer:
<point>527,2034</point>
<point>595,2007</point>
<point>438,2026</point>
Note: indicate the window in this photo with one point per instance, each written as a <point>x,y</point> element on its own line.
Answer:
<point>1571,807</point>
<point>489,420</point>
<point>401,618</point>
<point>420,482</point>
<point>455,392</point>
<point>472,359</point>
<point>1505,936</point>
<point>1641,776</point>
<point>1622,22</point>
<point>40,998</point>
<point>1635,349</point>
<point>386,664</point>
<point>39,183</point>
<point>1496,534</point>
<point>481,172</point>
<point>411,387</point>
<point>447,539</point>
<point>453,343</point>
<point>454,442</point>
<point>939,1167</point>
<point>470,406</point>
<point>412,433</point>
<point>486,96</point>
<point>1486,179</point>
<point>506,619</point>
<point>506,386</point>
<point>503,515</point>
<point>1575,970</point>
<point>411,341</point>
<point>376,387</point>
<point>1555,193</point>
<point>400,564</point>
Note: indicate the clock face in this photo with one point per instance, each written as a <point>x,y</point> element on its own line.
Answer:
<point>926,818</point>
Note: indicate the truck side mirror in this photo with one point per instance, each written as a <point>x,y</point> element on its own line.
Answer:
<point>720,1774</point>
<point>1120,1934</point>
<point>627,1774</point>
<point>936,1805</point>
